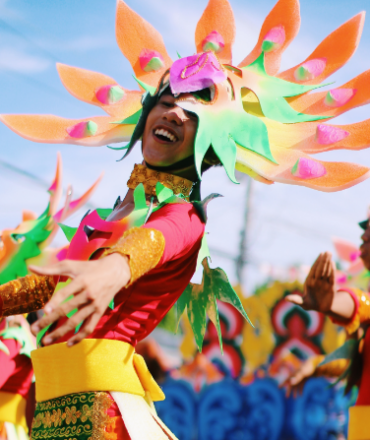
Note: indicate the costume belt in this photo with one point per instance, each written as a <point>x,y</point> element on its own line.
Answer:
<point>358,426</point>
<point>92,365</point>
<point>13,409</point>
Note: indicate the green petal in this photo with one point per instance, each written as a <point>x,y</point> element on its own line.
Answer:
<point>251,132</point>
<point>225,148</point>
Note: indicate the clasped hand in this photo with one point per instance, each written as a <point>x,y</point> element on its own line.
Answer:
<point>320,292</point>
<point>319,287</point>
<point>93,286</point>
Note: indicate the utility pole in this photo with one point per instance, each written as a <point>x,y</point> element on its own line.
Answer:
<point>242,258</point>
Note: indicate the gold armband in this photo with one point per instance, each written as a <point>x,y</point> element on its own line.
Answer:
<point>332,369</point>
<point>26,294</point>
<point>144,248</point>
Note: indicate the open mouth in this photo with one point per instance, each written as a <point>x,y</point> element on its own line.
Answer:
<point>164,135</point>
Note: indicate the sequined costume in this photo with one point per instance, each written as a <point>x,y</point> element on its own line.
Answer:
<point>162,256</point>
<point>251,119</point>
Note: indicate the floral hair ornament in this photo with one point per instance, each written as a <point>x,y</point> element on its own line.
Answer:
<point>195,73</point>
<point>263,122</point>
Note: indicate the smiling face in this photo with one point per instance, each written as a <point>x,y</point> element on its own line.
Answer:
<point>169,133</point>
<point>365,247</point>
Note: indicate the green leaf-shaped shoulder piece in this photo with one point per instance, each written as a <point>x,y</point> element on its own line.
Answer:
<point>203,251</point>
<point>346,351</point>
<point>69,231</point>
<point>201,206</point>
<point>104,213</point>
<point>163,193</point>
<point>200,300</point>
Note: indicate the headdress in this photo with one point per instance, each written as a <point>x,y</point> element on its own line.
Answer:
<point>259,121</point>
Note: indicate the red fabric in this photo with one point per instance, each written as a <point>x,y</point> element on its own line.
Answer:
<point>15,369</point>
<point>117,430</point>
<point>364,388</point>
<point>139,308</point>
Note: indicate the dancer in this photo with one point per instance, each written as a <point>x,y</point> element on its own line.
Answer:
<point>349,307</point>
<point>125,269</point>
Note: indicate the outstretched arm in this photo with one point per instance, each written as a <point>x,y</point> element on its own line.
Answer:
<point>310,368</point>
<point>170,233</point>
<point>320,292</point>
<point>93,286</point>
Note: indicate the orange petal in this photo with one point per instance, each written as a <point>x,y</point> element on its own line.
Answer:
<point>319,104</point>
<point>83,84</point>
<point>285,16</point>
<point>71,206</point>
<point>335,51</point>
<point>218,16</point>
<point>339,175</point>
<point>28,215</point>
<point>134,34</point>
<point>56,188</point>
<point>53,129</point>
<point>309,137</point>
<point>246,170</point>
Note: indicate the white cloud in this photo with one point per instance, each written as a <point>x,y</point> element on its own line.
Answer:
<point>17,60</point>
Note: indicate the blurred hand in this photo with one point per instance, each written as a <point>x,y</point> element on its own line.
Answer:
<point>295,383</point>
<point>319,287</point>
<point>94,284</point>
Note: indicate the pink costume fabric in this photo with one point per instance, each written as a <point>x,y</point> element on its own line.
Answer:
<point>15,369</point>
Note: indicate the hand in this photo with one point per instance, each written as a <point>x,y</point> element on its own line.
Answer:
<point>295,383</point>
<point>94,284</point>
<point>319,287</point>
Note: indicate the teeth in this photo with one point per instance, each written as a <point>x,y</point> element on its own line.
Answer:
<point>166,134</point>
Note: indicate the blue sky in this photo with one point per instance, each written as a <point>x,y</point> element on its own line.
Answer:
<point>289,224</point>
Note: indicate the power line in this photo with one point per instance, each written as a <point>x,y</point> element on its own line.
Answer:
<point>39,84</point>
<point>33,177</point>
<point>7,27</point>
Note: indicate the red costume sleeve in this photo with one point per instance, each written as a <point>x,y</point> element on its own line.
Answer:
<point>361,313</point>
<point>16,369</point>
<point>181,228</point>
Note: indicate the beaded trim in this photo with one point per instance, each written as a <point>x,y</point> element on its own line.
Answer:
<point>149,178</point>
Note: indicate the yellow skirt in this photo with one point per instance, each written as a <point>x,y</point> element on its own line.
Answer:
<point>96,365</point>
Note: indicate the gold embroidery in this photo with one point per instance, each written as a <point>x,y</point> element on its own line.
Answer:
<point>80,416</point>
<point>149,178</point>
<point>26,294</point>
<point>101,421</point>
<point>143,246</point>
